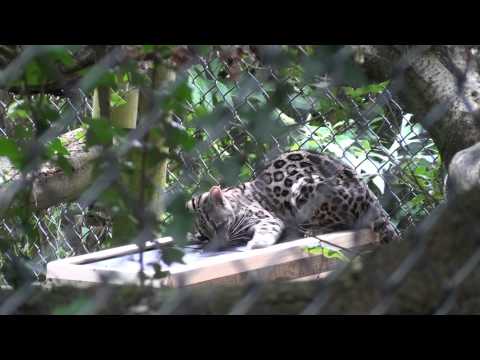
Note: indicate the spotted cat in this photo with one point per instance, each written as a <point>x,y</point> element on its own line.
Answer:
<point>298,193</point>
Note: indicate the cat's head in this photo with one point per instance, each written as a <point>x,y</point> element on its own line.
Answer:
<point>213,214</point>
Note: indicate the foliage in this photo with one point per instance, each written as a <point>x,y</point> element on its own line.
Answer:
<point>326,252</point>
<point>226,112</point>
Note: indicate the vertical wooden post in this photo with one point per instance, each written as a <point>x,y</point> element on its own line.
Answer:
<point>123,116</point>
<point>163,77</point>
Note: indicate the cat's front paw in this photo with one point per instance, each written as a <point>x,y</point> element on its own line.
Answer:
<point>196,238</point>
<point>259,243</point>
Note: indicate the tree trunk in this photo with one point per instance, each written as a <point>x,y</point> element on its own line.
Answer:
<point>435,84</point>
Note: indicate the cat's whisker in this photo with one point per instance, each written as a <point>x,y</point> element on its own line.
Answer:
<point>239,222</point>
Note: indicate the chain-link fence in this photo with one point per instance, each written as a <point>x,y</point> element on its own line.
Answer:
<point>243,111</point>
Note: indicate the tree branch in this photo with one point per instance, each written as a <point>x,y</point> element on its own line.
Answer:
<point>430,91</point>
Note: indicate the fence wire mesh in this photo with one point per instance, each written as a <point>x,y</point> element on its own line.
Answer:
<point>241,112</point>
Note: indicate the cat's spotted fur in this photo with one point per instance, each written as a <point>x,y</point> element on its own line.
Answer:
<point>299,192</point>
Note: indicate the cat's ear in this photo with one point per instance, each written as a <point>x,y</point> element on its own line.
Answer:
<point>189,205</point>
<point>216,195</point>
<point>193,204</point>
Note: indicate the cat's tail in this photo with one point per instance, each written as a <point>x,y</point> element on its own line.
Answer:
<point>390,234</point>
<point>378,220</point>
<point>386,230</point>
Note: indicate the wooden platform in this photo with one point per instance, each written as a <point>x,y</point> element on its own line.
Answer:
<point>300,259</point>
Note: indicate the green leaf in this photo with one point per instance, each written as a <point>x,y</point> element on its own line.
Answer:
<point>56,147</point>
<point>116,100</point>
<point>171,255</point>
<point>46,111</point>
<point>225,93</point>
<point>300,103</point>
<point>202,91</point>
<point>65,165</point>
<point>182,92</point>
<point>245,173</point>
<point>100,132</point>
<point>294,147</point>
<point>177,136</point>
<point>80,135</point>
<point>10,149</point>
<point>165,51</point>
<point>200,111</point>
<point>183,223</point>
<point>125,226</point>
<point>62,55</point>
<point>358,93</point>
<point>138,79</point>
<point>158,273</point>
<point>178,98</point>
<point>326,252</point>
<point>34,74</point>
<point>18,110</point>
<point>108,79</point>
<point>148,48</point>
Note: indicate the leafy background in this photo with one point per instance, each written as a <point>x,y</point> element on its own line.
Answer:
<point>229,110</point>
